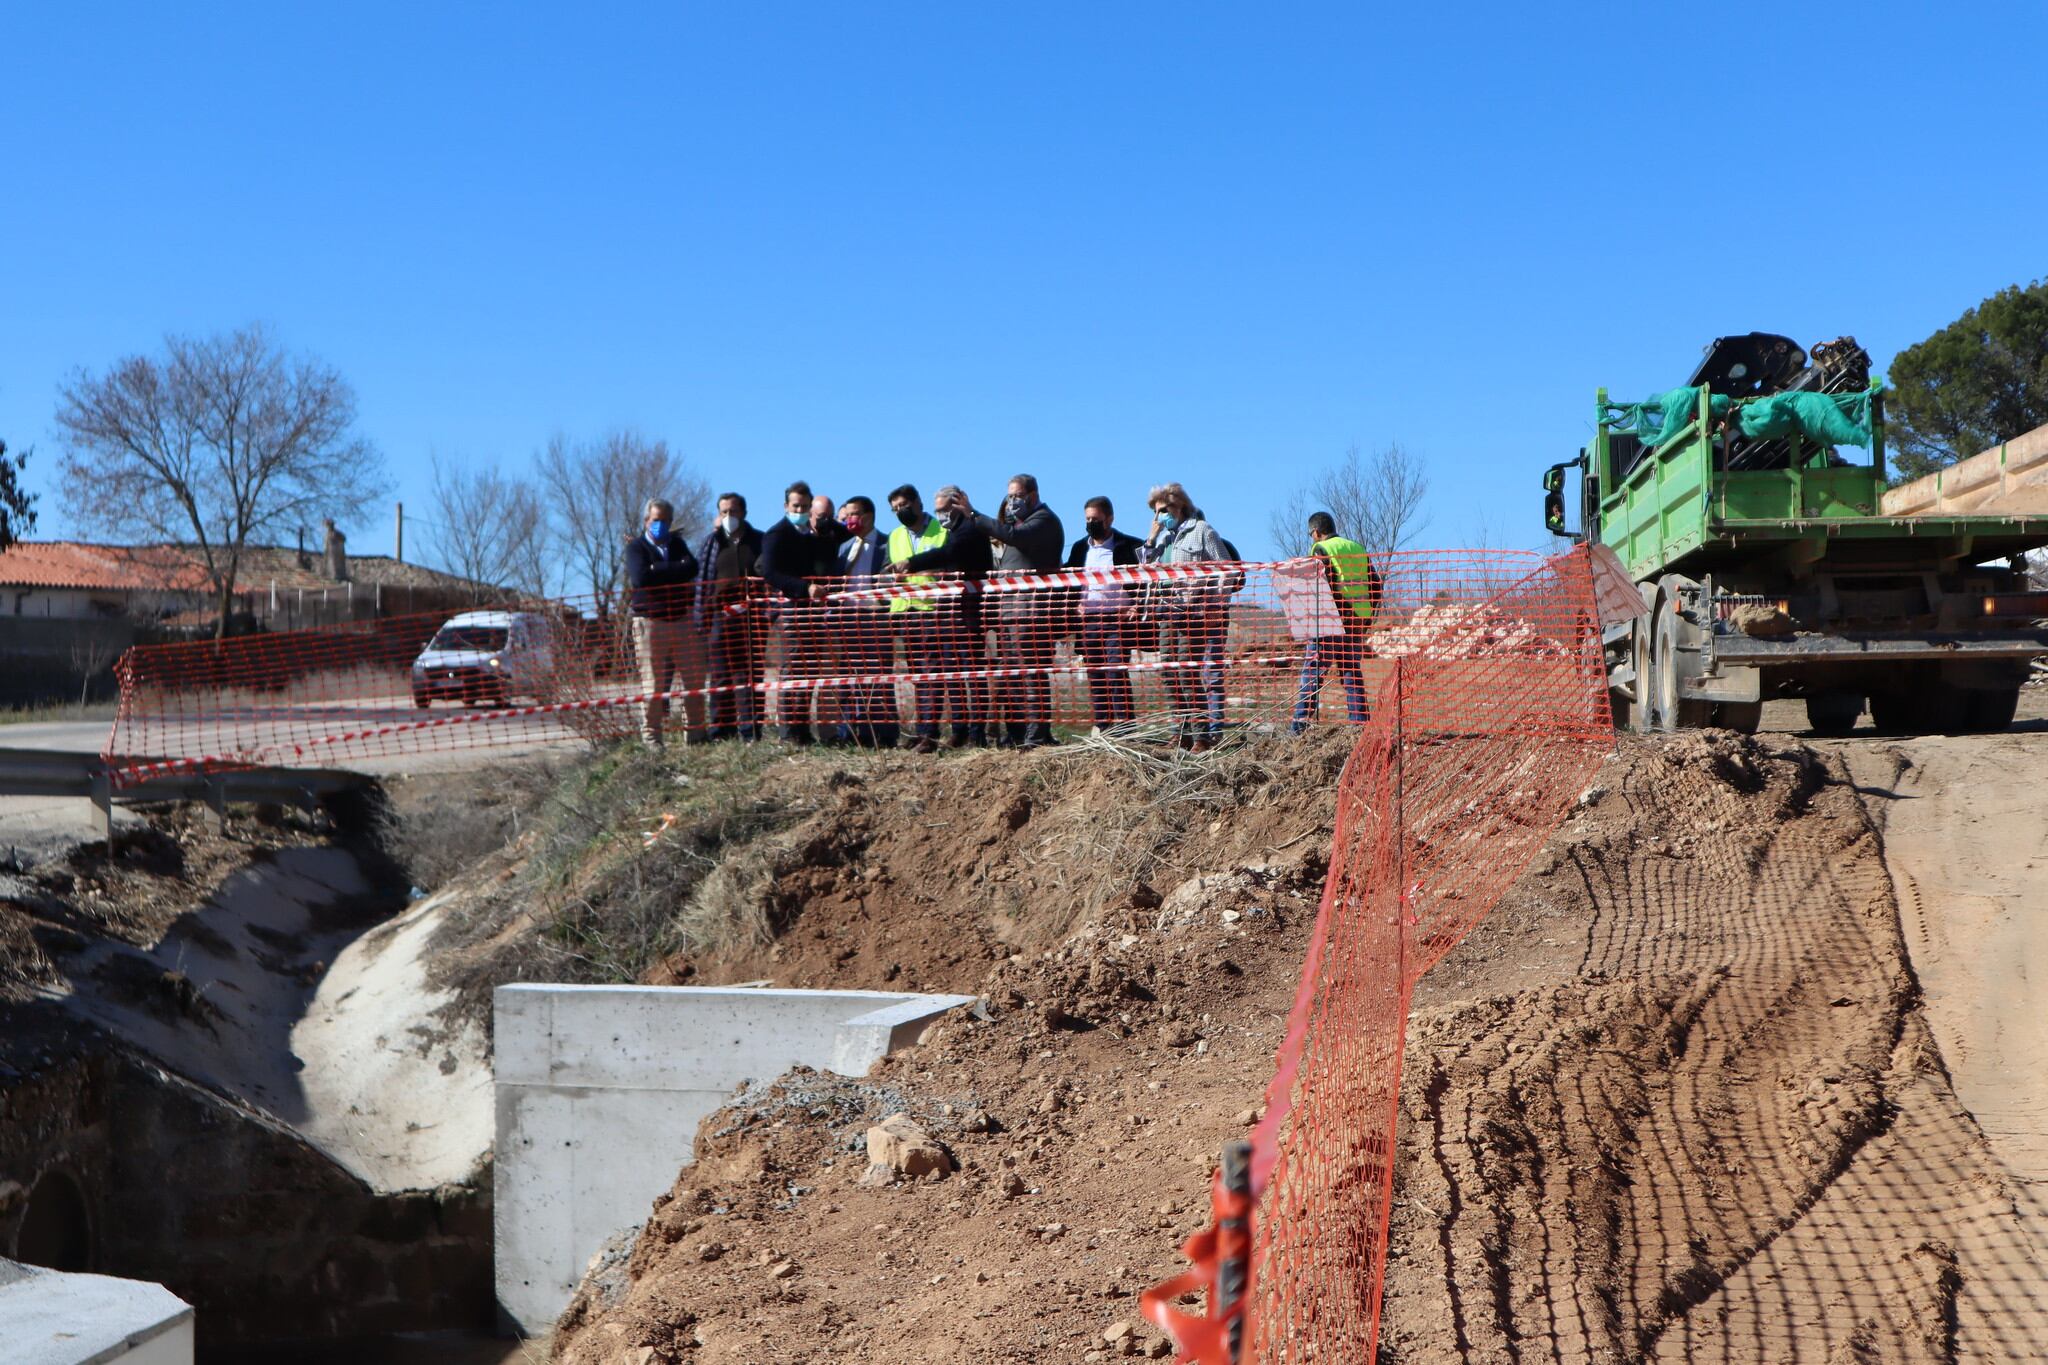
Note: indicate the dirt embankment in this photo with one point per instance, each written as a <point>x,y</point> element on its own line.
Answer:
<point>859,871</point>
<point>1675,1100</point>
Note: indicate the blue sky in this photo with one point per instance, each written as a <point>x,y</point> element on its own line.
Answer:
<point>1108,243</point>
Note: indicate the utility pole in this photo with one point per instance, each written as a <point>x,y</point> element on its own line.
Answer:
<point>398,552</point>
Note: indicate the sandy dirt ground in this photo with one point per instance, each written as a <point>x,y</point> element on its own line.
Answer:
<point>1683,1097</point>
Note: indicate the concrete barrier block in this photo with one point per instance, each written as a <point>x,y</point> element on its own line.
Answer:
<point>600,1090</point>
<point>51,1318</point>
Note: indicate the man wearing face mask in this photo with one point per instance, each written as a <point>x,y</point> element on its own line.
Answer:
<point>938,633</point>
<point>1106,612</point>
<point>661,572</point>
<point>796,558</point>
<point>1027,623</point>
<point>860,631</point>
<point>731,554</point>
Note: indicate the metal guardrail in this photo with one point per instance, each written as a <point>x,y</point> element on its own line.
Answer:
<point>59,772</point>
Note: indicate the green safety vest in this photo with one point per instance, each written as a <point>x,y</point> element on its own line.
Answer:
<point>1354,572</point>
<point>902,545</point>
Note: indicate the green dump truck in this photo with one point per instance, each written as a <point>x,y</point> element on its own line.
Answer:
<point>1767,565</point>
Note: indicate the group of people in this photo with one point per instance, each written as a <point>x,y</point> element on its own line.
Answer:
<point>847,596</point>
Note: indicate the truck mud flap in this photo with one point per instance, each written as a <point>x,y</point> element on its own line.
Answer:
<point>1736,684</point>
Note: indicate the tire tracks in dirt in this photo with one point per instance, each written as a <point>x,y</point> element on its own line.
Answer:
<point>1723,1133</point>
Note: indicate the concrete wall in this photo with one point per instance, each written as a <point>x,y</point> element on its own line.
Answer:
<point>51,1318</point>
<point>262,1233</point>
<point>600,1090</point>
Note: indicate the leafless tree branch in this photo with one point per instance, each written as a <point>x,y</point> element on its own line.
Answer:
<point>217,443</point>
<point>595,492</point>
<point>1376,500</point>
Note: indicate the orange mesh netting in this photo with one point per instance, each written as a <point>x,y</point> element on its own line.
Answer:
<point>1485,729</point>
<point>1208,649</point>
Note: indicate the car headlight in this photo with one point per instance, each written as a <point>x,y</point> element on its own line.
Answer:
<point>493,661</point>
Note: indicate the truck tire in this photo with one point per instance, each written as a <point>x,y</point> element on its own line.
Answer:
<point>1993,710</point>
<point>1833,713</point>
<point>1668,710</point>
<point>1894,713</point>
<point>1643,651</point>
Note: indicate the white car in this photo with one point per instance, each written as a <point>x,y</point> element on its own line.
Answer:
<point>484,657</point>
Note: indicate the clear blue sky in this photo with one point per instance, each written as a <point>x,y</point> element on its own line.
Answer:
<point>1108,243</point>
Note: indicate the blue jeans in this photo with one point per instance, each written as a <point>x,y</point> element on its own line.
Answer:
<point>1191,639</point>
<point>1347,656</point>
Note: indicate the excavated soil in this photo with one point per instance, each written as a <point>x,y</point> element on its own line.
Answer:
<point>1676,1099</point>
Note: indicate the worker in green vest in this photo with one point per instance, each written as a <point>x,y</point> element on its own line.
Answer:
<point>1354,593</point>
<point>940,634</point>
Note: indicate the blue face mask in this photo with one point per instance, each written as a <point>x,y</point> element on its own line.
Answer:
<point>657,528</point>
<point>798,519</point>
<point>1168,522</point>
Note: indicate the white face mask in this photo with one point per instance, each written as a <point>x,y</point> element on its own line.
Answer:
<point>730,524</point>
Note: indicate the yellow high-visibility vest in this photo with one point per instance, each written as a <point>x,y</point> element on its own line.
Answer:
<point>902,545</point>
<point>1354,573</point>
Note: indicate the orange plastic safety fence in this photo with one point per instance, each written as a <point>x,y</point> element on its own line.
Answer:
<point>1484,731</point>
<point>1199,649</point>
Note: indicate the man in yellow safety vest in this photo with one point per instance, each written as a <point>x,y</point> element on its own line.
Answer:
<point>1355,591</point>
<point>939,633</point>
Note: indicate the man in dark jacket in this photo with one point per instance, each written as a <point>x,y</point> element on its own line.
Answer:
<point>1106,611</point>
<point>725,566</point>
<point>944,637</point>
<point>859,630</point>
<point>1027,623</point>
<point>662,573</point>
<point>797,555</point>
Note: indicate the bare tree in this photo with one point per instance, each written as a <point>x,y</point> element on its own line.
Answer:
<point>215,443</point>
<point>1376,500</point>
<point>595,492</point>
<point>489,530</point>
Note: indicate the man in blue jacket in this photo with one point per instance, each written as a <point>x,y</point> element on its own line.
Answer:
<point>662,574</point>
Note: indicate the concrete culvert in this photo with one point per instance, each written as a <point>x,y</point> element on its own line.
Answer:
<point>55,1230</point>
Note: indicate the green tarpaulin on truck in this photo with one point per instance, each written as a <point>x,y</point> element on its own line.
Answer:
<point>1832,419</point>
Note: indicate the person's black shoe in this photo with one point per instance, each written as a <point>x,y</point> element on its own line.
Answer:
<point>1044,733</point>
<point>794,734</point>
<point>924,744</point>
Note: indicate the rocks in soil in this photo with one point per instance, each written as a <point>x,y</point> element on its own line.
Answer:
<point>899,1148</point>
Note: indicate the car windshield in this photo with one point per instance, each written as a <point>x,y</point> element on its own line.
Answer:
<point>485,639</point>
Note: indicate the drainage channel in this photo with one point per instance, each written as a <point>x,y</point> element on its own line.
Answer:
<point>261,1114</point>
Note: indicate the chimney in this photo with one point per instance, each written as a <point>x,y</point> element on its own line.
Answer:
<point>337,552</point>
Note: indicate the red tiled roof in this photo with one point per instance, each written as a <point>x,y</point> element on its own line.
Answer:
<point>180,568</point>
<point>109,568</point>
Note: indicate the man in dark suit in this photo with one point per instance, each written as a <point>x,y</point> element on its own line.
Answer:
<point>725,567</point>
<point>859,632</point>
<point>1106,611</point>
<point>797,559</point>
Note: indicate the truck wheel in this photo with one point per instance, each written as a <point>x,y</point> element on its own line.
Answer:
<point>1893,713</point>
<point>1668,710</point>
<point>1833,713</point>
<point>1991,710</point>
<point>1741,716</point>
<point>1640,650</point>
